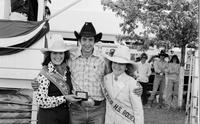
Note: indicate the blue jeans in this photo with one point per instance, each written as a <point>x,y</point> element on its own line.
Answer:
<point>159,82</point>
<point>87,115</point>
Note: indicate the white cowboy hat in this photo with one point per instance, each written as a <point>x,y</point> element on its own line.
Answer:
<point>121,55</point>
<point>58,45</point>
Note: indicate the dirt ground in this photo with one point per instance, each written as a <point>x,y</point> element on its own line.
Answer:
<point>163,116</point>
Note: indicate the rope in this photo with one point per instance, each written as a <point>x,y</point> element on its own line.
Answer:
<point>19,68</point>
<point>22,48</point>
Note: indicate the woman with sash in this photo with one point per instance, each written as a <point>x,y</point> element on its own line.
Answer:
<point>53,94</point>
<point>123,106</point>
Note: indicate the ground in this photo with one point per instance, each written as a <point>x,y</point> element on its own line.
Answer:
<point>163,116</point>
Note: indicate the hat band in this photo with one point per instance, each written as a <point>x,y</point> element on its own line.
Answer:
<point>87,34</point>
<point>121,57</point>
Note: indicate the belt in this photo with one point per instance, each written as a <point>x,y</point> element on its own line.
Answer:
<point>96,103</point>
<point>160,74</point>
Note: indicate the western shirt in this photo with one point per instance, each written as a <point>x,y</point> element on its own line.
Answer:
<point>87,73</point>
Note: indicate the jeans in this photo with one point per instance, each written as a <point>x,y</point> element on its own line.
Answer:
<point>159,81</point>
<point>172,93</point>
<point>144,93</point>
<point>87,115</point>
<point>57,115</point>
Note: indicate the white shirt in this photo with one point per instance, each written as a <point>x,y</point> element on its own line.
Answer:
<point>143,72</point>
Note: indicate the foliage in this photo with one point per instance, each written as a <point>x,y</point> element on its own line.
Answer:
<point>172,21</point>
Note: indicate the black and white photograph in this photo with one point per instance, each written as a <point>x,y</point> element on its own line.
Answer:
<point>99,61</point>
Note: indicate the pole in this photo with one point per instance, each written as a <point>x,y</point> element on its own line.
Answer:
<point>188,102</point>
<point>67,7</point>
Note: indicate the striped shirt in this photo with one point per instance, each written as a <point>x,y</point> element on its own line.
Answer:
<point>87,74</point>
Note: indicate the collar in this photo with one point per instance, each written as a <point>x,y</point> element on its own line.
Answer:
<point>120,83</point>
<point>51,67</point>
<point>77,53</point>
<point>162,61</point>
<point>142,63</point>
<point>120,77</point>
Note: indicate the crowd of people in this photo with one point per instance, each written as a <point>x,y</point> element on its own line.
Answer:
<point>166,71</point>
<point>82,86</point>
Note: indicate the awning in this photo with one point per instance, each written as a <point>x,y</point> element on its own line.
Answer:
<point>20,34</point>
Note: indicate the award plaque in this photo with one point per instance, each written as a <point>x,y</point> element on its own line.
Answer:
<point>82,95</point>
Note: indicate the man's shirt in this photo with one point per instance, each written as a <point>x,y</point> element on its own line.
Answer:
<point>87,73</point>
<point>160,66</point>
<point>143,72</point>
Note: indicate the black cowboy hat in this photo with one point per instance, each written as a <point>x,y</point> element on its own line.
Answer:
<point>88,30</point>
<point>162,53</point>
<point>144,55</point>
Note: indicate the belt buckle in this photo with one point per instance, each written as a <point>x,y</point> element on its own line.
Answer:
<point>89,103</point>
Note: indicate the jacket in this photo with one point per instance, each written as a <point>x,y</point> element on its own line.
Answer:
<point>122,90</point>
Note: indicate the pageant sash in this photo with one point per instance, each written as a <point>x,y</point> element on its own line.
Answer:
<point>118,107</point>
<point>58,81</point>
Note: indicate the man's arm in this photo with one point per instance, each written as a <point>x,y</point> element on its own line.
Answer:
<point>35,84</point>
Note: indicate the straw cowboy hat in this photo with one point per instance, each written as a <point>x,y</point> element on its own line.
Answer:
<point>57,46</point>
<point>88,30</point>
<point>121,55</point>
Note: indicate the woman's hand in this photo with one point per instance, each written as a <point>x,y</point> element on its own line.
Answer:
<point>138,91</point>
<point>72,98</point>
<point>34,84</point>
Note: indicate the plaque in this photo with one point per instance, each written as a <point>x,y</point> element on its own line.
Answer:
<point>82,95</point>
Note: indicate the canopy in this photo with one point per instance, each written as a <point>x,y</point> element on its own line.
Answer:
<point>17,35</point>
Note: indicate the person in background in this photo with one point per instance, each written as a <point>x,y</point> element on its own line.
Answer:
<point>173,71</point>
<point>167,59</point>
<point>53,93</point>
<point>143,72</point>
<point>123,106</point>
<point>159,80</point>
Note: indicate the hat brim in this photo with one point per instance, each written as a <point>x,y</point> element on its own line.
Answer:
<point>44,50</point>
<point>97,37</point>
<point>120,60</point>
<point>165,55</point>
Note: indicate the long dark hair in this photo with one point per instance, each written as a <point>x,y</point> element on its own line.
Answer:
<point>47,58</point>
<point>176,57</point>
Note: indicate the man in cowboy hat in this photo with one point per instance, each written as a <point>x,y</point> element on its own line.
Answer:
<point>87,71</point>
<point>159,81</point>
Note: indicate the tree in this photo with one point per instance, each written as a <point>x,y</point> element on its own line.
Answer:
<point>174,22</point>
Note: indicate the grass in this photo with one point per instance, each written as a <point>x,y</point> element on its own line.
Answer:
<point>163,116</point>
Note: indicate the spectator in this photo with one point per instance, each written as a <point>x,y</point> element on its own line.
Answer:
<point>143,72</point>
<point>173,81</point>
<point>159,80</point>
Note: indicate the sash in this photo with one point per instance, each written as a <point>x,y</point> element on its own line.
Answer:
<point>58,81</point>
<point>118,107</point>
